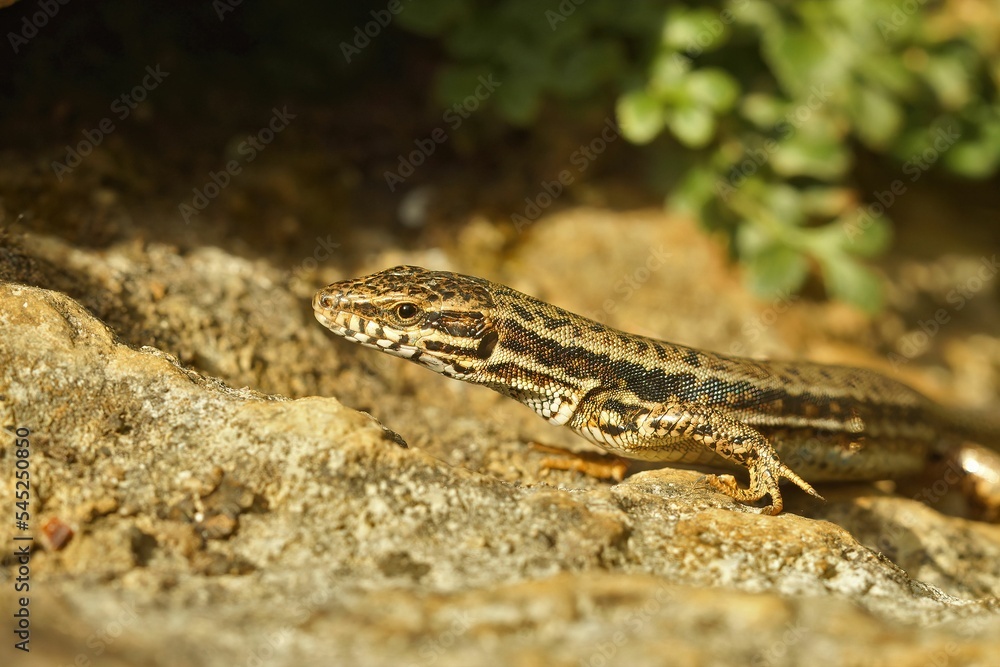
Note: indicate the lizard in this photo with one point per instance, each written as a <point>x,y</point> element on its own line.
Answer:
<point>647,399</point>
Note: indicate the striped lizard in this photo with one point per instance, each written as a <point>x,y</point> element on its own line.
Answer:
<point>648,399</point>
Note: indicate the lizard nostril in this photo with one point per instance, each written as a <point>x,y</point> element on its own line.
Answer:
<point>322,300</point>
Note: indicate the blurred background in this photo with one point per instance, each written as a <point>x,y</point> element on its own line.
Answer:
<point>797,179</point>
<point>812,137</point>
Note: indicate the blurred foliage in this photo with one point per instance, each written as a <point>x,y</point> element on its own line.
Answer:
<point>759,108</point>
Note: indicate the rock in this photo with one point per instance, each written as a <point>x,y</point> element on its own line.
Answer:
<point>217,525</point>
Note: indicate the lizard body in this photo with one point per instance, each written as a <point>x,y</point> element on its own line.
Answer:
<point>643,398</point>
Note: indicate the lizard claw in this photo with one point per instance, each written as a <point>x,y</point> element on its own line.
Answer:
<point>763,482</point>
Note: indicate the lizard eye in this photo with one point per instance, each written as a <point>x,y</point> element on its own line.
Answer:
<point>407,311</point>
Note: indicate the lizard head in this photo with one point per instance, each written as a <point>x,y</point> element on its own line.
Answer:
<point>439,319</point>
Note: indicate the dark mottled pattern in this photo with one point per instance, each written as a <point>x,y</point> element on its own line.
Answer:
<point>612,430</point>
<point>487,345</point>
<point>617,406</point>
<point>558,323</point>
<point>458,323</point>
<point>563,345</point>
<point>505,377</point>
<point>523,312</point>
<point>651,383</point>
<point>366,310</point>
<point>441,346</point>
<point>543,355</point>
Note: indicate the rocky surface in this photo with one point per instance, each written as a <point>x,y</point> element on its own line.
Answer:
<point>272,525</point>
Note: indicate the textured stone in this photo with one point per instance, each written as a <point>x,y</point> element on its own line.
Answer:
<point>215,525</point>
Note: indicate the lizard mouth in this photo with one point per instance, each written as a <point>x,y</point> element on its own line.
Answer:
<point>353,327</point>
<point>333,311</point>
<point>323,319</point>
<point>330,311</point>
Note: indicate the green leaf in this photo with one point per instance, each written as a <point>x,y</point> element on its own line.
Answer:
<point>518,99</point>
<point>874,237</point>
<point>694,30</point>
<point>850,281</point>
<point>889,71</point>
<point>763,110</point>
<point>950,79</point>
<point>979,157</point>
<point>777,269</point>
<point>863,235</point>
<point>784,203</point>
<point>764,15</point>
<point>796,57</point>
<point>640,116</point>
<point>695,191</point>
<point>752,239</point>
<point>876,117</point>
<point>694,126</point>
<point>825,202</point>
<point>814,149</point>
<point>579,72</point>
<point>454,83</point>
<point>712,88</point>
<point>668,72</point>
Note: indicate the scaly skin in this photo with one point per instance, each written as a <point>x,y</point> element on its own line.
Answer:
<point>643,398</point>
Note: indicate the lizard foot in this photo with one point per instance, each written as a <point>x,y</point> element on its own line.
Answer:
<point>764,476</point>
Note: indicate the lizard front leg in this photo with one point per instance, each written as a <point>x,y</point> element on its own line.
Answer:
<point>693,434</point>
